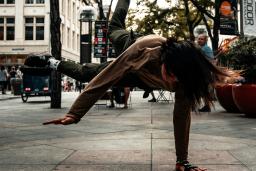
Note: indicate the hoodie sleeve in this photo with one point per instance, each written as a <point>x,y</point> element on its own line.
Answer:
<point>130,60</point>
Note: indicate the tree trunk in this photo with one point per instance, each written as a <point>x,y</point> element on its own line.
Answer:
<point>56,52</point>
<point>189,22</point>
<point>216,27</point>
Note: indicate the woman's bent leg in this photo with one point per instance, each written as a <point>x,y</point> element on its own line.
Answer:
<point>83,73</point>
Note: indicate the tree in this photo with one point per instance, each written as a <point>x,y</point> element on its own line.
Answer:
<point>207,12</point>
<point>175,20</point>
<point>56,52</point>
<point>155,19</point>
<point>100,8</point>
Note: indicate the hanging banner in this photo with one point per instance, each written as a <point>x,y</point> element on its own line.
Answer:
<point>249,18</point>
<point>100,39</point>
<point>228,17</point>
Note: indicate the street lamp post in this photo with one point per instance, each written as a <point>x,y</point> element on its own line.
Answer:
<point>86,18</point>
<point>106,13</point>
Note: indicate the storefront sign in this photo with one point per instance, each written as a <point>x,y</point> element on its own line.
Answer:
<point>18,49</point>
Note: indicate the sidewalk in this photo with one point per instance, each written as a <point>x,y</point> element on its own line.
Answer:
<point>139,138</point>
<point>8,96</point>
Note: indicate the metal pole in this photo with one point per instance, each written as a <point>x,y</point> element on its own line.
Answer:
<point>90,42</point>
<point>241,19</point>
<point>80,41</point>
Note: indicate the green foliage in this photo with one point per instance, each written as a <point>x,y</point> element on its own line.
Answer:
<point>148,18</point>
<point>242,56</point>
<point>173,20</point>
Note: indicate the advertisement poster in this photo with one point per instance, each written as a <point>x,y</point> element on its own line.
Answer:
<point>100,39</point>
<point>228,17</point>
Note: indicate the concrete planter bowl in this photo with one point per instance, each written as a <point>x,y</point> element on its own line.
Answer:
<point>225,97</point>
<point>244,96</point>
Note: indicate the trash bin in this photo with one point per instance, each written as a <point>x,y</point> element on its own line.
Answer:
<point>17,86</point>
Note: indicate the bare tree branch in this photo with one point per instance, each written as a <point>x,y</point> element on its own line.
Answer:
<point>203,10</point>
<point>208,28</point>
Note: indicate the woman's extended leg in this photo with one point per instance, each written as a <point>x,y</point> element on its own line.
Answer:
<point>120,37</point>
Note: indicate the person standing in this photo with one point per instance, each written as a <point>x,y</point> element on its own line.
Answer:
<point>12,75</point>
<point>153,97</point>
<point>18,73</point>
<point>202,42</point>
<point>3,79</point>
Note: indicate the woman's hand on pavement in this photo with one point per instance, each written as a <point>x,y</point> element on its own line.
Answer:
<point>66,120</point>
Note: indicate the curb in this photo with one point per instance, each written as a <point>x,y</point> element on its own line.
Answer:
<point>9,98</point>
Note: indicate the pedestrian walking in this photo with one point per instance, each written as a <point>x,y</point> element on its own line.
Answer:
<point>3,79</point>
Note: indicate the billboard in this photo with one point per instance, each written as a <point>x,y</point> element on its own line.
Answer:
<point>100,39</point>
<point>228,17</point>
<point>102,45</point>
<point>249,17</point>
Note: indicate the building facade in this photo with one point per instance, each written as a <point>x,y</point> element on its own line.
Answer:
<point>25,28</point>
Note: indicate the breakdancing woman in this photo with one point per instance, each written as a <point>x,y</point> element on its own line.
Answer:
<point>150,61</point>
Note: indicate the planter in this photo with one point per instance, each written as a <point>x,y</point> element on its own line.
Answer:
<point>245,98</point>
<point>225,98</point>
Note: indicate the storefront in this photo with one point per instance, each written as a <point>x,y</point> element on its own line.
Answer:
<point>12,60</point>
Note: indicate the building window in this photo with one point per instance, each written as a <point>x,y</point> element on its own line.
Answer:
<point>1,28</point>
<point>7,1</point>
<point>74,12</point>
<point>68,38</point>
<point>78,42</point>
<point>10,28</point>
<point>10,1</point>
<point>39,28</point>
<point>74,40</point>
<point>34,28</point>
<point>34,1</point>
<point>62,34</point>
<point>40,1</point>
<point>63,7</point>
<point>7,28</point>
<point>29,1</point>
<point>69,10</point>
<point>29,22</point>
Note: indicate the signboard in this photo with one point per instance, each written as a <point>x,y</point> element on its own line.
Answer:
<point>111,50</point>
<point>249,18</point>
<point>228,17</point>
<point>100,39</point>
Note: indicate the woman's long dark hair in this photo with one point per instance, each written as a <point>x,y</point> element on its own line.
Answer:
<point>192,69</point>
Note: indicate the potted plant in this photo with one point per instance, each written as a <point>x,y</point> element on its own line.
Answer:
<point>242,56</point>
<point>224,88</point>
<point>224,91</point>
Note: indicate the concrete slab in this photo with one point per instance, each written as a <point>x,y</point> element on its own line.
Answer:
<point>138,139</point>
<point>25,167</point>
<point>38,155</point>
<point>110,157</point>
<point>104,167</point>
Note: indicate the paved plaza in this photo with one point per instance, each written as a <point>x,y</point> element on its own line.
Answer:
<point>139,138</point>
